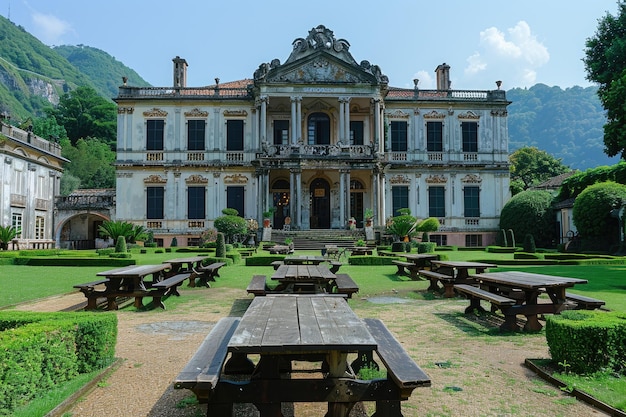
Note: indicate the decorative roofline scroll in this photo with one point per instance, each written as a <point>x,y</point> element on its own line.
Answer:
<point>434,115</point>
<point>399,179</point>
<point>472,179</point>
<point>398,114</point>
<point>469,115</point>
<point>235,179</point>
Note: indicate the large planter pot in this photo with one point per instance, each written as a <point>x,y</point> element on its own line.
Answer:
<point>266,223</point>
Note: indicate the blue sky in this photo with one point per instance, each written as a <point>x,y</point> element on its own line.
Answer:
<point>521,42</point>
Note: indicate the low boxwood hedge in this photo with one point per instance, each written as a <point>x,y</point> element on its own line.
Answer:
<point>40,350</point>
<point>100,261</point>
<point>263,260</point>
<point>585,341</point>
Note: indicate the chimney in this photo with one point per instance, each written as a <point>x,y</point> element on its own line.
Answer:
<point>180,72</point>
<point>443,77</point>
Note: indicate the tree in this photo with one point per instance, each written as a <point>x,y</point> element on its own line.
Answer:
<point>231,225</point>
<point>116,228</point>
<point>530,212</point>
<point>592,214</point>
<point>84,113</point>
<point>7,234</point>
<point>531,166</point>
<point>605,63</point>
<point>91,161</point>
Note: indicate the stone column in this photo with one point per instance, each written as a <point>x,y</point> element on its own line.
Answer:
<point>298,201</point>
<point>342,120</point>
<point>294,120</point>
<point>299,120</point>
<point>346,119</point>
<point>264,103</point>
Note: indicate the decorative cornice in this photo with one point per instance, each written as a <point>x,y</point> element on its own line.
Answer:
<point>436,179</point>
<point>499,113</point>
<point>154,179</point>
<point>235,179</point>
<point>472,179</point>
<point>469,115</point>
<point>434,115</point>
<point>197,179</point>
<point>235,113</point>
<point>398,114</point>
<point>399,179</point>
<point>196,113</point>
<point>125,110</point>
<point>155,113</point>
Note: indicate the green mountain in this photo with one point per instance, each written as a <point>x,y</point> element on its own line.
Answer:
<point>565,123</point>
<point>104,70</point>
<point>33,76</point>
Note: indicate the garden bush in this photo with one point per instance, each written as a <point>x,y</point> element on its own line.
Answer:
<point>530,212</point>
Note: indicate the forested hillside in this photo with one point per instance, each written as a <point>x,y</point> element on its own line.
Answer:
<point>565,123</point>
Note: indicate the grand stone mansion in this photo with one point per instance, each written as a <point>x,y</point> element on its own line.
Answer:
<point>320,138</point>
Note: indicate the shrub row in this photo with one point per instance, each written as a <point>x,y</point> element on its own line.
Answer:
<point>40,350</point>
<point>585,342</point>
<point>372,260</point>
<point>263,260</point>
<point>114,262</point>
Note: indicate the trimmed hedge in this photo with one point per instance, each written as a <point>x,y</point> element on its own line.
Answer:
<point>526,255</point>
<point>101,261</point>
<point>40,350</point>
<point>372,260</point>
<point>587,341</point>
<point>263,260</point>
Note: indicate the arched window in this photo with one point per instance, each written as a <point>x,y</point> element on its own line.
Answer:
<point>319,129</point>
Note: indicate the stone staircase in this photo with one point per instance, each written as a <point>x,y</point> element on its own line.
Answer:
<point>316,239</point>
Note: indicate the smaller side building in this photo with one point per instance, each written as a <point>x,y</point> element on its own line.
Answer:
<point>30,176</point>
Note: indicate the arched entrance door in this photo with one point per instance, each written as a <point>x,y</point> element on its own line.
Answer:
<point>320,204</point>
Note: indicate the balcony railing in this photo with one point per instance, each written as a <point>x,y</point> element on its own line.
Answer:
<point>30,139</point>
<point>405,94</point>
<point>177,93</point>
<point>85,202</point>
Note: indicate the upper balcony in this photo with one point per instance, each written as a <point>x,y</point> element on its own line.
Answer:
<point>29,139</point>
<point>407,94</point>
<point>210,92</point>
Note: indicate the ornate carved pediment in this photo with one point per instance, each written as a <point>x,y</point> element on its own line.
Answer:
<point>398,114</point>
<point>470,115</point>
<point>399,179</point>
<point>197,179</point>
<point>472,179</point>
<point>235,179</point>
<point>235,113</point>
<point>196,113</point>
<point>155,113</point>
<point>434,115</point>
<point>154,179</point>
<point>319,69</point>
<point>436,179</point>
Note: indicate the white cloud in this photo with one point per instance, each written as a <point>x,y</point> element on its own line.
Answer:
<point>49,28</point>
<point>514,55</point>
<point>426,80</point>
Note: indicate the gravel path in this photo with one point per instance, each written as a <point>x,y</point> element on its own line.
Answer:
<point>472,375</point>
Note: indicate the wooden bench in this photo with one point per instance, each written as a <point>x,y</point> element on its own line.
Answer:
<point>401,368</point>
<point>258,285</point>
<point>476,294</point>
<point>344,284</point>
<point>583,302</point>
<point>435,277</point>
<point>277,264</point>
<point>167,287</point>
<point>413,270</point>
<point>203,370</point>
<point>206,273</point>
<point>91,293</point>
<point>334,266</point>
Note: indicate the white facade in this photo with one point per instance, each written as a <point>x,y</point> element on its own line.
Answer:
<point>29,181</point>
<point>321,138</point>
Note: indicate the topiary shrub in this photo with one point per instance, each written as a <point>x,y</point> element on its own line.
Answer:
<point>120,245</point>
<point>231,225</point>
<point>592,214</point>
<point>398,247</point>
<point>220,246</point>
<point>530,212</point>
<point>426,247</point>
<point>174,242</point>
<point>529,244</point>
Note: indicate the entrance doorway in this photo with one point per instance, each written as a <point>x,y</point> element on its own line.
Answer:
<point>280,199</point>
<point>320,204</point>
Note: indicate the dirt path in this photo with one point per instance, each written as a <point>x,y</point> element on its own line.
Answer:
<point>472,374</point>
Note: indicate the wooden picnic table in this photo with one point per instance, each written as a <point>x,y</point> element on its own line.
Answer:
<point>304,260</point>
<point>414,263</point>
<point>131,281</point>
<point>524,289</point>
<point>360,250</point>
<point>191,264</point>
<point>449,273</point>
<point>311,279</point>
<point>311,329</point>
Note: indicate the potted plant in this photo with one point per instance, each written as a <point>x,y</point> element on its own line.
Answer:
<point>368,214</point>
<point>267,217</point>
<point>360,243</point>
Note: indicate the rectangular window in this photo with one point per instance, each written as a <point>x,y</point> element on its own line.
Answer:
<point>440,240</point>
<point>471,201</point>
<point>18,182</point>
<point>400,199</point>
<point>16,221</point>
<point>472,241</point>
<point>155,202</point>
<point>196,206</point>
<point>235,199</point>
<point>356,133</point>
<point>436,202</point>
<point>195,135</point>
<point>281,132</point>
<point>399,139</point>
<point>154,135</point>
<point>469,130</point>
<point>234,135</point>
<point>434,136</point>
<point>40,227</point>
